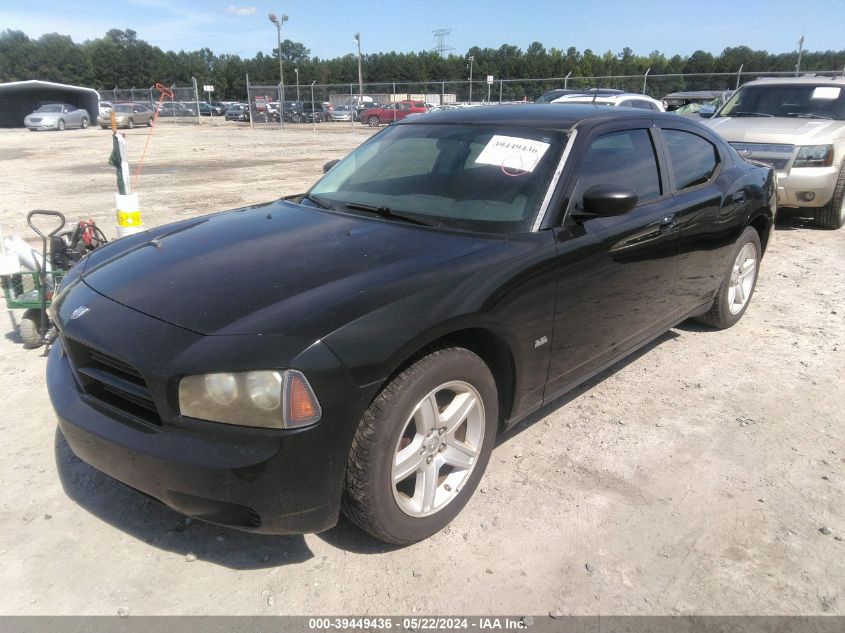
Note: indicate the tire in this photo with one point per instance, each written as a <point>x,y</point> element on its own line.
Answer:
<point>84,122</point>
<point>832,215</point>
<point>403,510</point>
<point>150,122</point>
<point>726,310</point>
<point>60,126</point>
<point>28,328</point>
<point>131,123</point>
<point>373,121</point>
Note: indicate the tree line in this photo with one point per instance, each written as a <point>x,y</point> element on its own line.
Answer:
<point>119,59</point>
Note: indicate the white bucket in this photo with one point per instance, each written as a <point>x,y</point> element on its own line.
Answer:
<point>128,214</point>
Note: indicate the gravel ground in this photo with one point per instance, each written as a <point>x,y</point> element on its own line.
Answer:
<point>703,475</point>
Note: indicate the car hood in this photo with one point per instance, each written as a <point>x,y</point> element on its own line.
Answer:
<point>279,268</point>
<point>794,131</point>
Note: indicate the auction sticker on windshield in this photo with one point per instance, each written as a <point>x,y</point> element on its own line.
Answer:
<point>512,153</point>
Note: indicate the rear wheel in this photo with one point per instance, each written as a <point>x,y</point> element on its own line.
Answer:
<point>150,122</point>
<point>28,327</point>
<point>84,122</point>
<point>737,287</point>
<point>373,121</point>
<point>832,215</point>
<point>422,447</point>
<point>131,123</point>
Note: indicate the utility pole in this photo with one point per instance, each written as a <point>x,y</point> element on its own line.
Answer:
<point>800,51</point>
<point>278,23</point>
<point>471,59</point>
<point>296,70</point>
<point>360,76</point>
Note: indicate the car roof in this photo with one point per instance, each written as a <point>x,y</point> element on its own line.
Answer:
<point>529,115</point>
<point>696,94</point>
<point>811,80</point>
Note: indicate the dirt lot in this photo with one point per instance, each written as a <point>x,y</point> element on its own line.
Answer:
<point>692,478</point>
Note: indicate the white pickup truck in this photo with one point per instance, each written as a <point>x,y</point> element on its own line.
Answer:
<point>796,125</point>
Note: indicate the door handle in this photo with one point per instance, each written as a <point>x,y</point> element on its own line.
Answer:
<point>739,198</point>
<point>667,223</point>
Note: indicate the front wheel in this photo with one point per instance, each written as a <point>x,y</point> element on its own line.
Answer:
<point>422,447</point>
<point>832,215</point>
<point>738,285</point>
<point>373,121</point>
<point>84,122</point>
<point>60,125</point>
<point>131,123</point>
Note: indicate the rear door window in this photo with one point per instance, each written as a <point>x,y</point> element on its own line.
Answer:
<point>694,159</point>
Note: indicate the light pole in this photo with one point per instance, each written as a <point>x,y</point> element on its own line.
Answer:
<point>278,24</point>
<point>360,80</point>
<point>471,59</point>
<point>800,50</point>
<point>296,70</point>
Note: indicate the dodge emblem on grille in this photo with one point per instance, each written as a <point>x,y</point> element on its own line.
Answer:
<point>78,312</point>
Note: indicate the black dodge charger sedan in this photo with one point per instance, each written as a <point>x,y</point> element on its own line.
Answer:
<point>358,347</point>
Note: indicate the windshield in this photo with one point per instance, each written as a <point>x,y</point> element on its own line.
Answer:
<point>50,108</point>
<point>123,108</point>
<point>485,178</point>
<point>787,100</point>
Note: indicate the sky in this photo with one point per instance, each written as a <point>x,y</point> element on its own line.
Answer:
<point>327,27</point>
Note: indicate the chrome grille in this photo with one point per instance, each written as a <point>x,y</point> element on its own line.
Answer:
<point>770,148</point>
<point>777,163</point>
<point>111,382</point>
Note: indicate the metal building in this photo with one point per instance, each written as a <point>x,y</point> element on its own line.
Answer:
<point>19,98</point>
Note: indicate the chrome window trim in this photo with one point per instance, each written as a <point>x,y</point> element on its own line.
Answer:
<point>544,208</point>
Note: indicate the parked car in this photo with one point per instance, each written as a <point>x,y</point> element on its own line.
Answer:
<point>508,260</point>
<point>175,109</point>
<point>314,112</point>
<point>293,112</point>
<point>105,107</point>
<point>237,112</point>
<point>127,115</point>
<point>342,113</point>
<point>691,102</point>
<point>796,125</point>
<point>551,95</point>
<point>392,112</point>
<point>56,116</point>
<point>209,109</point>
<point>363,107</point>
<point>621,99</point>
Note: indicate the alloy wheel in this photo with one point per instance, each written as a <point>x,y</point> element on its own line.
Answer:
<point>438,449</point>
<point>743,275</point>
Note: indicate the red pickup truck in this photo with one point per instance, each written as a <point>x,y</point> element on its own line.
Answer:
<point>392,112</point>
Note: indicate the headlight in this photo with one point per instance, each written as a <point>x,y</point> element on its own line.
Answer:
<point>814,156</point>
<point>267,398</point>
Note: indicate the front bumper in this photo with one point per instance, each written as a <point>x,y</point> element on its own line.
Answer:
<point>796,182</point>
<point>261,480</point>
<point>41,125</point>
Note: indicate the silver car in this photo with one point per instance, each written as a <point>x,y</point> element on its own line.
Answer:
<point>342,113</point>
<point>57,116</point>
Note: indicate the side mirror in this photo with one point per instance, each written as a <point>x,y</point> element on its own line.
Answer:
<point>330,164</point>
<point>609,200</point>
<point>707,112</point>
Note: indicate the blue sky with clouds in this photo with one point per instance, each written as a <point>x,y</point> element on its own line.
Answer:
<point>327,26</point>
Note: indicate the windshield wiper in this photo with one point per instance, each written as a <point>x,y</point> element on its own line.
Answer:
<point>808,115</point>
<point>320,202</point>
<point>752,114</point>
<point>389,214</point>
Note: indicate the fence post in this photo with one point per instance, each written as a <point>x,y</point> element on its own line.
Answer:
<point>645,79</point>
<point>248,100</point>
<point>196,100</point>
<point>313,111</point>
<point>393,98</point>
<point>442,92</point>
<point>738,75</point>
<point>501,82</point>
<point>566,80</point>
<point>352,108</point>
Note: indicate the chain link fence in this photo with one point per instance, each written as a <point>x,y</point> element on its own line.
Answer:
<point>182,107</point>
<point>277,105</point>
